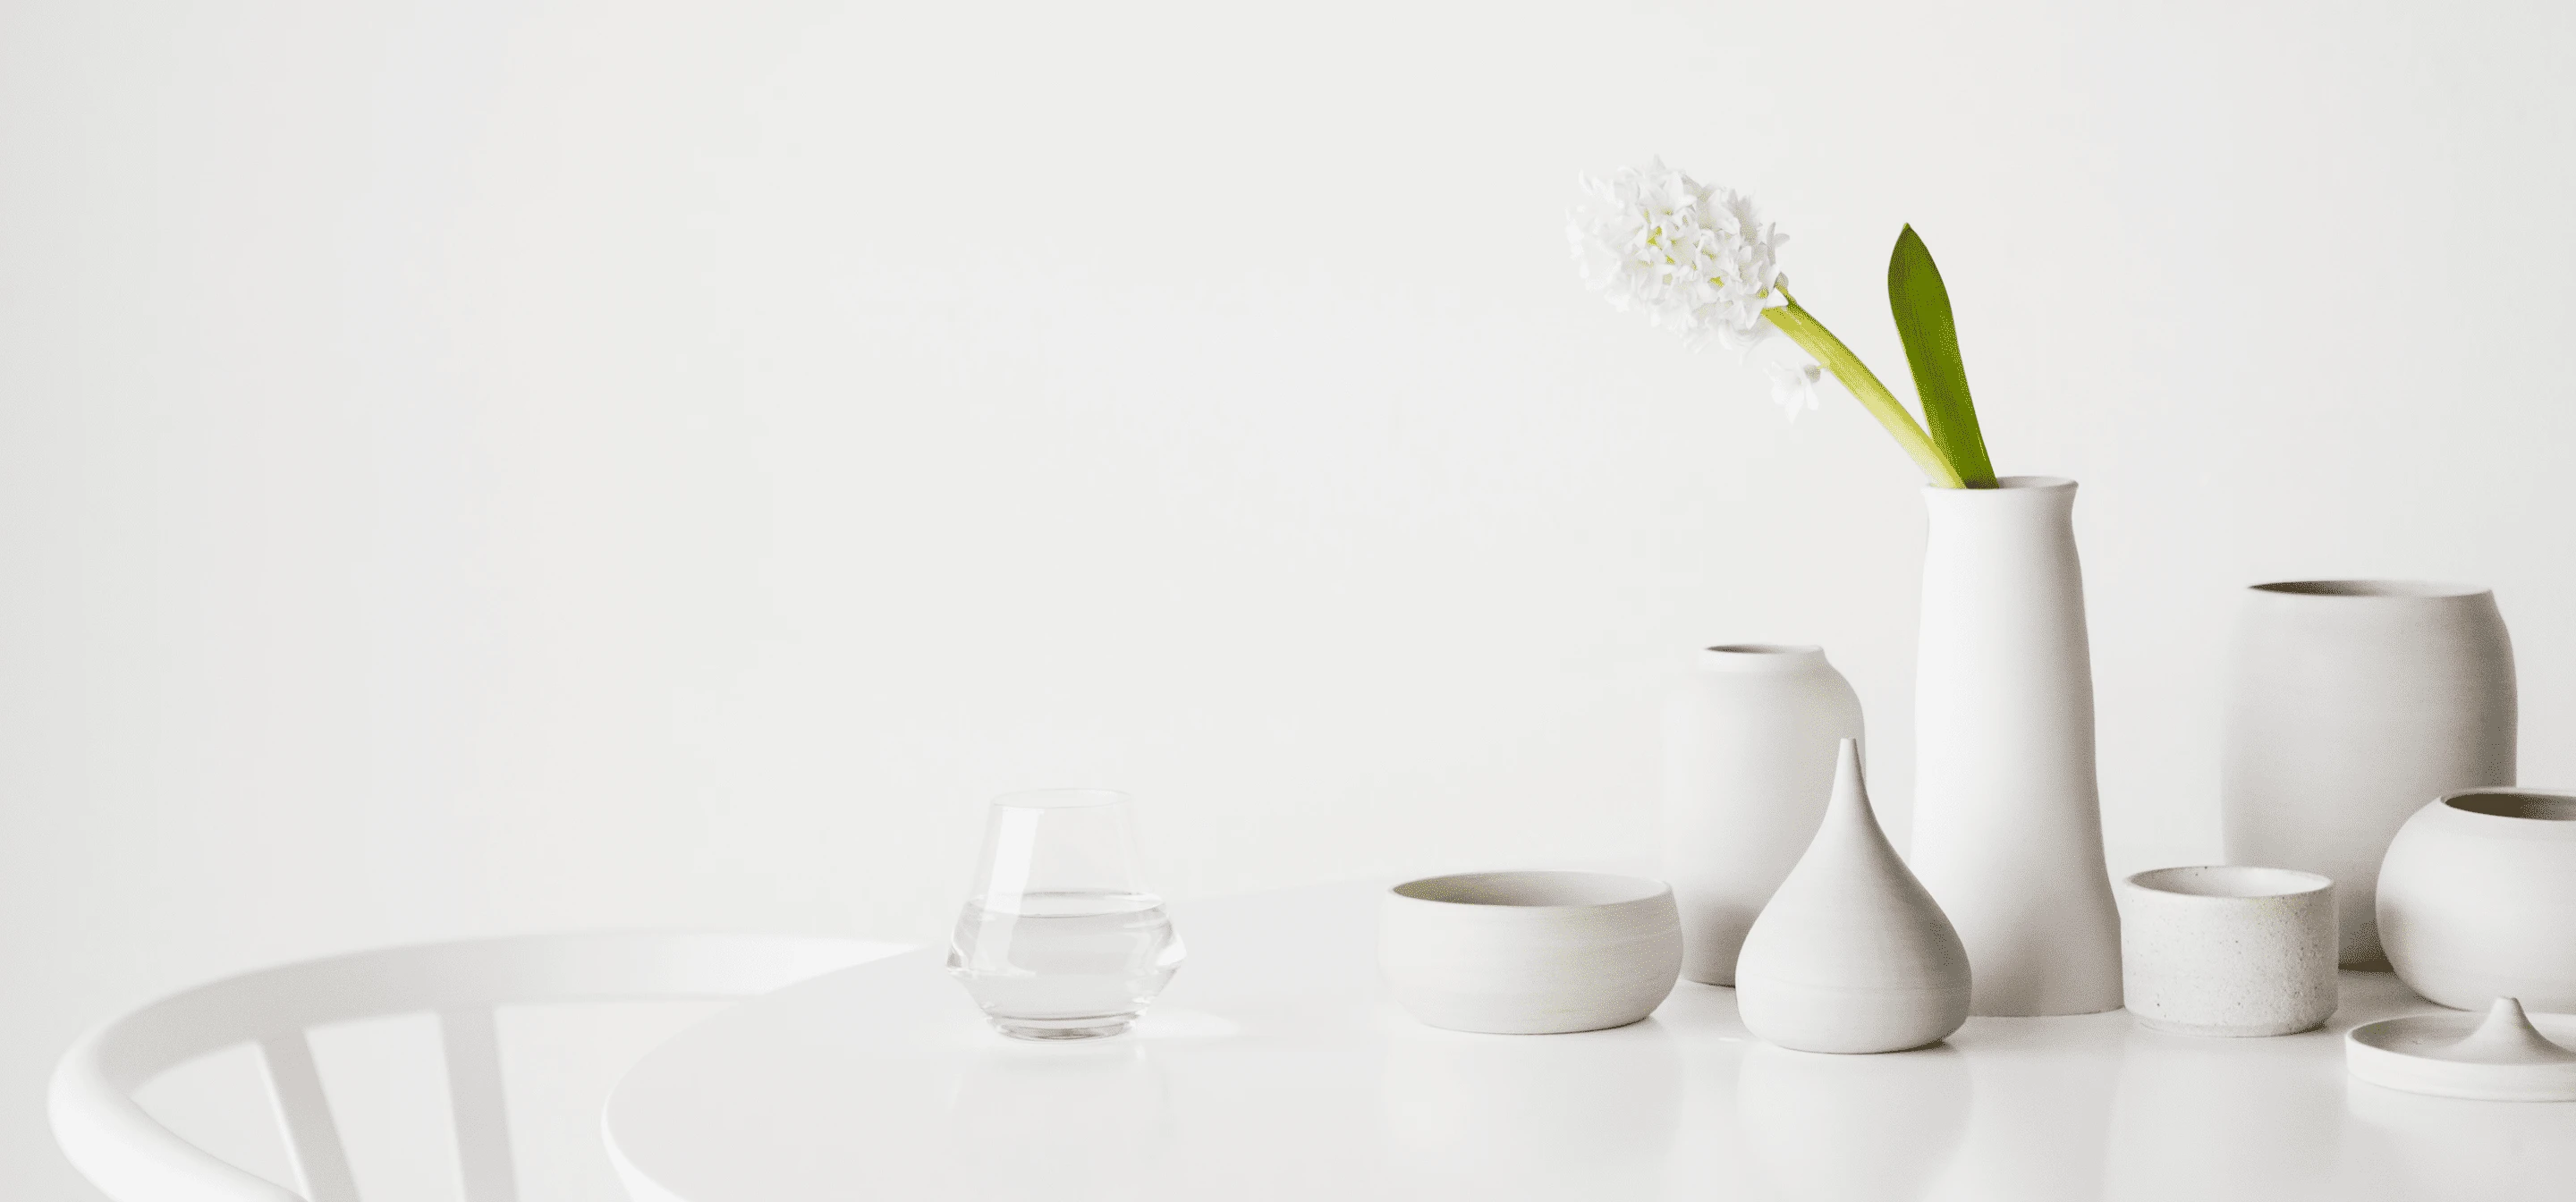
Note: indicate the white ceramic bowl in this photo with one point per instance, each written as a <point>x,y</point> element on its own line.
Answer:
<point>1531,953</point>
<point>2477,899</point>
<point>2228,949</point>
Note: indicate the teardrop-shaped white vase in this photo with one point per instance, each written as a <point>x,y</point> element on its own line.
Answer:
<point>1852,954</point>
<point>1749,740</point>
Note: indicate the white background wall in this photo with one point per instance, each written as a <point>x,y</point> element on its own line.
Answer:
<point>482,467</point>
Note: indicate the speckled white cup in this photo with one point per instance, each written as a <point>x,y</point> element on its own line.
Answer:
<point>2228,949</point>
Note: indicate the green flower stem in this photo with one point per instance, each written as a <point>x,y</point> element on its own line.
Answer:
<point>1811,335</point>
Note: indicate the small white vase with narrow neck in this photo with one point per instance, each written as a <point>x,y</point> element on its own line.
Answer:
<point>1749,737</point>
<point>2007,813</point>
<point>1852,954</point>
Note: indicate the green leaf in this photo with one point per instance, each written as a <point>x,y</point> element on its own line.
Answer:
<point>1922,307</point>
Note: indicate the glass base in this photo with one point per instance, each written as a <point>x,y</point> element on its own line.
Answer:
<point>1053,1030</point>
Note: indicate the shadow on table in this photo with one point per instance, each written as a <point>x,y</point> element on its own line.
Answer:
<point>2458,1147</point>
<point>1575,1116</point>
<point>1023,1116</point>
<point>2039,1112</point>
<point>2196,1115</point>
<point>1852,1128</point>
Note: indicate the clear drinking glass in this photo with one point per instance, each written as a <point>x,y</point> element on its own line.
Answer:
<point>1061,940</point>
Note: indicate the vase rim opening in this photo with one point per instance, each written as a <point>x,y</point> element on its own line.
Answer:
<point>1537,889</point>
<point>1760,658</point>
<point>2421,590</point>
<point>2229,882</point>
<point>1059,799</point>
<point>2530,805</point>
<point>2010,484</point>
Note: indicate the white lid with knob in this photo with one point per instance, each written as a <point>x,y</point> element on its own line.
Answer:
<point>2506,1056</point>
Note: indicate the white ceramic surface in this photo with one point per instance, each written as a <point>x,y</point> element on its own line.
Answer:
<point>2503,1055</point>
<point>2007,813</point>
<point>1530,953</point>
<point>2477,899</point>
<point>1852,955</point>
<point>1277,1069</point>
<point>2228,950</point>
<point>1749,736</point>
<point>2349,704</point>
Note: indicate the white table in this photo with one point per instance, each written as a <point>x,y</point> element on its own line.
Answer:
<point>1276,1068</point>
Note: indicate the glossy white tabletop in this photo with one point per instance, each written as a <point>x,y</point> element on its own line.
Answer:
<point>1275,1067</point>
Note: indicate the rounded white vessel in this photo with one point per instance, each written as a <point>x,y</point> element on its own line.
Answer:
<point>2477,900</point>
<point>1530,953</point>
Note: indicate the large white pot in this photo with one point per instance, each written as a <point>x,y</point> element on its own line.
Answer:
<point>2477,899</point>
<point>1749,740</point>
<point>2007,816</point>
<point>2350,704</point>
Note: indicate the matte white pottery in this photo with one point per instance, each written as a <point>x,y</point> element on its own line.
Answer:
<point>1749,740</point>
<point>2503,1055</point>
<point>1852,955</point>
<point>2350,703</point>
<point>1530,953</point>
<point>2007,814</point>
<point>2228,949</point>
<point>2477,899</point>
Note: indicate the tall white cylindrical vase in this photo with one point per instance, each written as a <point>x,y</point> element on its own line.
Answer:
<point>1749,738</point>
<point>2350,704</point>
<point>2007,814</point>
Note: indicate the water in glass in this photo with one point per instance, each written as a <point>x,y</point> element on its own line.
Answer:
<point>1064,965</point>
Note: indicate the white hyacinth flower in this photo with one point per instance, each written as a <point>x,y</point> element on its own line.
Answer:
<point>1694,257</point>
<point>1793,385</point>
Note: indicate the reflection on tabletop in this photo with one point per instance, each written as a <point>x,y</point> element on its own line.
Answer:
<point>1276,1067</point>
